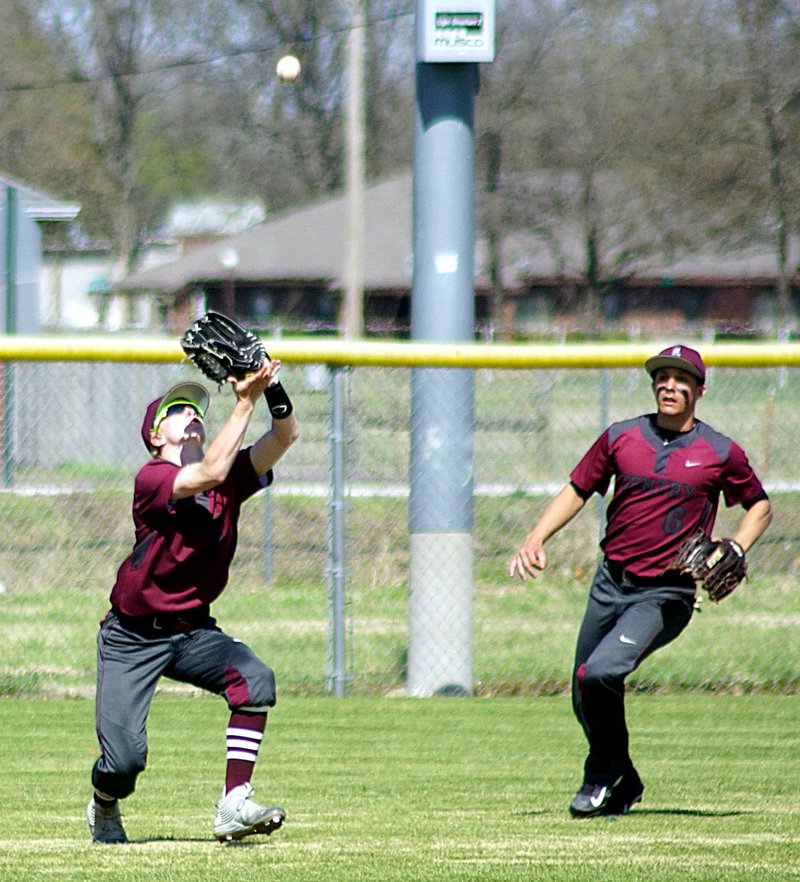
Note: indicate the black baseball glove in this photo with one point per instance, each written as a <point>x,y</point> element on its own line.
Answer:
<point>221,348</point>
<point>719,565</point>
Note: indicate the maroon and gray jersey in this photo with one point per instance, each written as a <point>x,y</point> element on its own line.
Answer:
<point>666,486</point>
<point>183,548</point>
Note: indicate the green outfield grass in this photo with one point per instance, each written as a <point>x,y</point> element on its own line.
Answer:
<point>401,790</point>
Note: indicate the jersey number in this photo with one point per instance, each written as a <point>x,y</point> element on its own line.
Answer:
<point>673,522</point>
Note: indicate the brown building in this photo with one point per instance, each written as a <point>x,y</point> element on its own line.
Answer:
<point>286,274</point>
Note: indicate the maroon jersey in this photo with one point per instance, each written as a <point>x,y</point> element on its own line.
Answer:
<point>183,549</point>
<point>666,485</point>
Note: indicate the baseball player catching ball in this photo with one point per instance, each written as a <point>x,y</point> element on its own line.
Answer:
<point>186,505</point>
<point>669,469</point>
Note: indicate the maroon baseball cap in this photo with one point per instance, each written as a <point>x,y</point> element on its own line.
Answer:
<point>184,393</point>
<point>678,356</point>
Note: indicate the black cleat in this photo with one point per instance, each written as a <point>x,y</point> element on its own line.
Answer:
<point>592,799</point>
<point>625,795</point>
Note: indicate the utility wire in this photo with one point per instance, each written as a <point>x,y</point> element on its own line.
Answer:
<point>184,63</point>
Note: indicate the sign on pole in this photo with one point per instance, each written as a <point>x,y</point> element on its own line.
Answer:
<point>455,30</point>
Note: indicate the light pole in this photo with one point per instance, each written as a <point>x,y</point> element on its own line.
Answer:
<point>229,258</point>
<point>449,45</point>
<point>353,307</point>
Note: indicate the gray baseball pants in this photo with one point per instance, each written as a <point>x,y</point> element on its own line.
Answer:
<point>623,624</point>
<point>130,662</point>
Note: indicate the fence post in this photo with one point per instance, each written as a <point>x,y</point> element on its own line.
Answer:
<point>10,314</point>
<point>266,556</point>
<point>605,399</point>
<point>337,558</point>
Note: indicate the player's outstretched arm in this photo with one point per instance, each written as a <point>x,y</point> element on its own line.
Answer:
<point>201,471</point>
<point>284,431</point>
<point>531,558</point>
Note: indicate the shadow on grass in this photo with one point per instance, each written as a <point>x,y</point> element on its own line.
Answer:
<point>675,812</point>
<point>250,842</point>
<point>689,813</point>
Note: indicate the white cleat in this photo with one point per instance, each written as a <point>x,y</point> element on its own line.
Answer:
<point>105,824</point>
<point>238,815</point>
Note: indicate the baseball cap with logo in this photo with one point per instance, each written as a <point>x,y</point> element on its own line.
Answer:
<point>678,356</point>
<point>184,393</point>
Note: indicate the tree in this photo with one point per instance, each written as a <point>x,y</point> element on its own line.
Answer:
<point>389,85</point>
<point>770,114</point>
<point>613,133</point>
<point>724,114</point>
<point>289,139</point>
<point>106,50</point>
<point>176,99</point>
<point>569,179</point>
<point>44,125</point>
<point>508,112</point>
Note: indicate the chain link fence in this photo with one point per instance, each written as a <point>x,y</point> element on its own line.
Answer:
<point>320,584</point>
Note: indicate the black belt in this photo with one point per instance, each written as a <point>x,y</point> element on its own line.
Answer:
<point>619,573</point>
<point>161,624</point>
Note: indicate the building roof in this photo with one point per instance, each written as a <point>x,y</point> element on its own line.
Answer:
<point>40,205</point>
<point>211,217</point>
<point>308,245</point>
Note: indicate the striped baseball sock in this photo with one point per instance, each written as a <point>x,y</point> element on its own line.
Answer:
<point>243,739</point>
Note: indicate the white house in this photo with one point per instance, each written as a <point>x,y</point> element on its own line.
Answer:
<point>25,214</point>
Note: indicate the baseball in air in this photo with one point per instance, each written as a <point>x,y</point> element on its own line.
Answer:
<point>288,69</point>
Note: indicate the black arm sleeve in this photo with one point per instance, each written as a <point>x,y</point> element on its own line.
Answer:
<point>580,491</point>
<point>751,502</point>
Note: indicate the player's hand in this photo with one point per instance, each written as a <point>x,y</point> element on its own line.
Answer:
<point>253,385</point>
<point>529,561</point>
<point>273,371</point>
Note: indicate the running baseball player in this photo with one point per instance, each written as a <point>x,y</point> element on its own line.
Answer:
<point>669,470</point>
<point>186,505</point>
